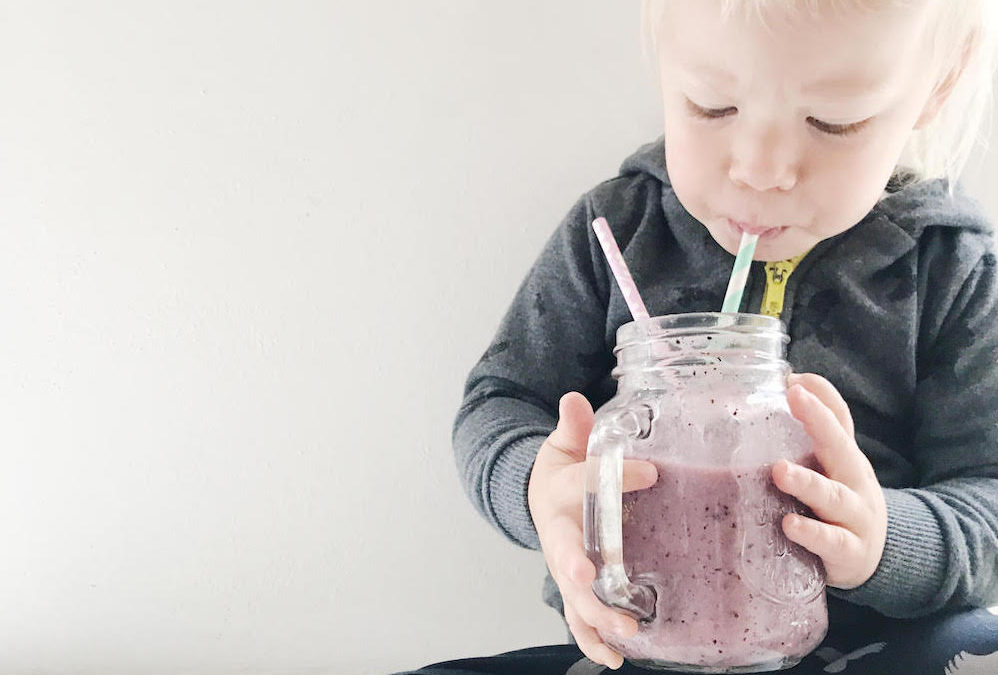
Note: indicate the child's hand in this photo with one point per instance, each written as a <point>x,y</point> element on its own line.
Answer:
<point>848,499</point>
<point>555,494</point>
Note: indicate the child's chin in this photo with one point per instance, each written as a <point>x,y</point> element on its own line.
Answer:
<point>784,245</point>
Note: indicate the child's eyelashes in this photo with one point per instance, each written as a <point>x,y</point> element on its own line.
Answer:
<point>824,127</point>
<point>710,113</point>
<point>837,129</point>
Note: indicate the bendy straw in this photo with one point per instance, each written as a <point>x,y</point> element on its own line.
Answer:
<point>619,269</point>
<point>739,273</point>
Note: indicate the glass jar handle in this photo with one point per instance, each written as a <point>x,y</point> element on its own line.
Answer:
<point>602,521</point>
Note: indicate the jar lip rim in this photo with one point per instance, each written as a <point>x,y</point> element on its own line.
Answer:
<point>734,322</point>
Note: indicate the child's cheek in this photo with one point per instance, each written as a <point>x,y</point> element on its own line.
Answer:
<point>695,167</point>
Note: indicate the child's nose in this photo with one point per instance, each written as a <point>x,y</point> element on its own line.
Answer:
<point>764,162</point>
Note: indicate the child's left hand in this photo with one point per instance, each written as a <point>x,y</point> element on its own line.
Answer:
<point>848,499</point>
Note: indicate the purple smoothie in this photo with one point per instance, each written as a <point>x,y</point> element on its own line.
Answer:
<point>732,590</point>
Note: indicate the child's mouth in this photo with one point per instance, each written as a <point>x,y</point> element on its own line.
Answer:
<point>762,231</point>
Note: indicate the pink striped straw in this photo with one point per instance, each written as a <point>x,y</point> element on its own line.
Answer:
<point>619,269</point>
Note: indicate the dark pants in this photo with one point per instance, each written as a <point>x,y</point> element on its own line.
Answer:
<point>954,644</point>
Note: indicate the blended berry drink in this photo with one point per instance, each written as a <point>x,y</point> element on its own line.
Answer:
<point>700,558</point>
<point>731,588</point>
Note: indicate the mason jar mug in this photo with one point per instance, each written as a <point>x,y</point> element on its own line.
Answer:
<point>700,558</point>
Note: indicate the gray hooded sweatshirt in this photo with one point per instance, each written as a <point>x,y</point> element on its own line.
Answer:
<point>900,313</point>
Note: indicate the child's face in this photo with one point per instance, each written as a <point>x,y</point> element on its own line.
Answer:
<point>791,133</point>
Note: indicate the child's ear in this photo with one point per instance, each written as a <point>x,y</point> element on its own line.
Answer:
<point>946,85</point>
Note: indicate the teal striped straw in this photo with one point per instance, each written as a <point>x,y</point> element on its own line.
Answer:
<point>739,273</point>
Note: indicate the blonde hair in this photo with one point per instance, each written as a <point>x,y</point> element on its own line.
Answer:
<point>963,47</point>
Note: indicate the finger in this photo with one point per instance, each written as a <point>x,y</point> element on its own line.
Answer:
<point>575,421</point>
<point>570,474</point>
<point>834,449</point>
<point>638,475</point>
<point>594,613</point>
<point>827,394</point>
<point>589,640</point>
<point>561,541</point>
<point>836,546</point>
<point>574,574</point>
<point>831,501</point>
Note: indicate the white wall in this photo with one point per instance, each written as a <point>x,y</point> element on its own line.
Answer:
<point>248,251</point>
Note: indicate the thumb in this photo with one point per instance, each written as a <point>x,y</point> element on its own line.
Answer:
<point>575,421</point>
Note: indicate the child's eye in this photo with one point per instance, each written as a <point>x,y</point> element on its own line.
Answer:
<point>709,113</point>
<point>837,129</point>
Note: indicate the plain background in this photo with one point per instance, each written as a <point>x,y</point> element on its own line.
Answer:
<point>248,252</point>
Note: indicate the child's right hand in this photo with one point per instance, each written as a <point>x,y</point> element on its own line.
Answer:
<point>555,495</point>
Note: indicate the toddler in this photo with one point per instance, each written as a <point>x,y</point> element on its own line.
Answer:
<point>835,130</point>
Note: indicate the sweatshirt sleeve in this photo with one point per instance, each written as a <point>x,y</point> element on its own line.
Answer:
<point>551,341</point>
<point>942,535</point>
